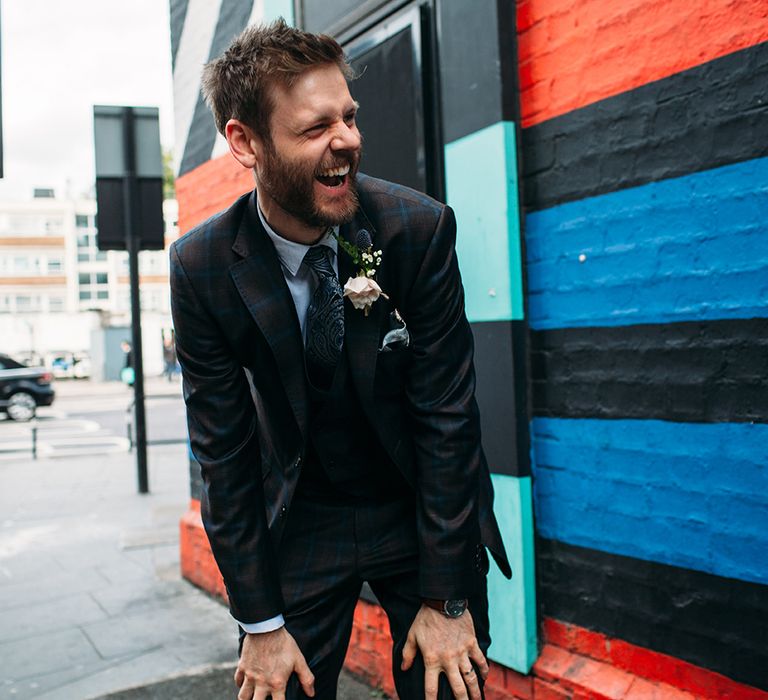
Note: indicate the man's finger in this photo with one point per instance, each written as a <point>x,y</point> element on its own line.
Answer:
<point>306,678</point>
<point>477,656</point>
<point>409,653</point>
<point>456,679</point>
<point>246,690</point>
<point>239,677</point>
<point>431,680</point>
<point>472,683</point>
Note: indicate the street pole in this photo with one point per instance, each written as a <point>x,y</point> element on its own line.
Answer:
<point>130,204</point>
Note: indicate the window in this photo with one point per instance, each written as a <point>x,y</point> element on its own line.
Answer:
<point>92,278</point>
<point>81,220</point>
<point>55,265</point>
<point>56,304</point>
<point>26,303</point>
<point>86,240</point>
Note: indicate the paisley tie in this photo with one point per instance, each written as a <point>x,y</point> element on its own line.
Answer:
<point>325,319</point>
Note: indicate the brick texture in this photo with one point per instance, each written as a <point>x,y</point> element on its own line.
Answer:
<point>575,663</point>
<point>575,52</point>
<point>209,188</point>
<point>197,563</point>
<point>691,372</point>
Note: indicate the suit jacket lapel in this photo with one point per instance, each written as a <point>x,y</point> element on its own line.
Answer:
<point>361,332</point>
<point>259,279</point>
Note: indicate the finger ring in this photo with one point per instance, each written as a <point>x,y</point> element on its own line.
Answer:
<point>469,673</point>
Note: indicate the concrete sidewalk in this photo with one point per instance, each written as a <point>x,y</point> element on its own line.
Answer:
<point>91,600</point>
<point>85,388</point>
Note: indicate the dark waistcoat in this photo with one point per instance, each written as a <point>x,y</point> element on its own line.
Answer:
<point>345,460</point>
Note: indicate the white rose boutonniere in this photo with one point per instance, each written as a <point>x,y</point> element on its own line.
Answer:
<point>362,290</point>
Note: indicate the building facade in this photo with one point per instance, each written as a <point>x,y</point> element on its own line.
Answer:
<point>608,166</point>
<point>57,289</point>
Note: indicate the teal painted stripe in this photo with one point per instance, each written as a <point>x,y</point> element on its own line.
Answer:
<point>278,8</point>
<point>513,603</point>
<point>481,184</point>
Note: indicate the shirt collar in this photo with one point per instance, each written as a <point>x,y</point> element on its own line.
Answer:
<point>291,253</point>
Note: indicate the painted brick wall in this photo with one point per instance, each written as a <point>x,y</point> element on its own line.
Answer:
<point>645,177</point>
<point>643,161</point>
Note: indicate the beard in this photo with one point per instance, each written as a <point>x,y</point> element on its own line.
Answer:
<point>291,185</point>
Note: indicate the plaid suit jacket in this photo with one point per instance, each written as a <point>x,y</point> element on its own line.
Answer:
<point>241,353</point>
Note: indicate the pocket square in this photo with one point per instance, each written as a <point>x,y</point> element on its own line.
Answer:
<point>397,338</point>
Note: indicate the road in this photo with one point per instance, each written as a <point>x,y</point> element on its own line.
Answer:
<point>91,418</point>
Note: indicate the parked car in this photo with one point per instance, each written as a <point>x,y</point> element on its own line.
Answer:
<point>23,389</point>
<point>66,365</point>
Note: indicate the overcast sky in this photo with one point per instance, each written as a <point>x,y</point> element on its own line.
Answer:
<point>59,58</point>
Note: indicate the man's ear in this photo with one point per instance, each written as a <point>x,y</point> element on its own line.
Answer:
<point>244,144</point>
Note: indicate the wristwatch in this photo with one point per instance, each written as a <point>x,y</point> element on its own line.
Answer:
<point>450,608</point>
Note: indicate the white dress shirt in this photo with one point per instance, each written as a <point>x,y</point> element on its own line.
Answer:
<point>302,282</point>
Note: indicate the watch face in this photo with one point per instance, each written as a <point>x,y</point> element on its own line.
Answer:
<point>455,608</point>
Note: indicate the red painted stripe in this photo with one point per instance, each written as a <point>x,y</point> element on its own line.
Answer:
<point>197,563</point>
<point>209,188</point>
<point>575,52</point>
<point>647,664</point>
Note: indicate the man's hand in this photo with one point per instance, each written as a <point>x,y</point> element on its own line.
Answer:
<point>448,646</point>
<point>266,664</point>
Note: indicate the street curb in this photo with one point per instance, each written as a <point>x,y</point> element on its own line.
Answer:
<point>153,689</point>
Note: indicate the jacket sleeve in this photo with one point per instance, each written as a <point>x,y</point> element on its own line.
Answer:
<point>224,440</point>
<point>445,423</point>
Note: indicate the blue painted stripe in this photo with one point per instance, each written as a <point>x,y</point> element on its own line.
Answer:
<point>481,186</point>
<point>684,249</point>
<point>512,604</point>
<point>689,495</point>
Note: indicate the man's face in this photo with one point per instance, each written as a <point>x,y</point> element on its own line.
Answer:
<point>311,160</point>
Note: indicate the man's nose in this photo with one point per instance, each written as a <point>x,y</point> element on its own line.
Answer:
<point>346,138</point>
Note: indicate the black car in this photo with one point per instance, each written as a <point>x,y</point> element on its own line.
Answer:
<point>23,389</point>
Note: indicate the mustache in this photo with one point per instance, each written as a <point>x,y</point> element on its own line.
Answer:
<point>352,162</point>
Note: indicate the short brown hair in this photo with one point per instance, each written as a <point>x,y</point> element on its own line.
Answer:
<point>236,84</point>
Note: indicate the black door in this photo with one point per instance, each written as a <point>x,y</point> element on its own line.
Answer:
<point>397,114</point>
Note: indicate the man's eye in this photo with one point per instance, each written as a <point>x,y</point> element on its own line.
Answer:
<point>316,129</point>
<point>350,118</point>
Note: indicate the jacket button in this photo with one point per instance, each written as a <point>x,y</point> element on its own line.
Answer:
<point>298,463</point>
<point>283,510</point>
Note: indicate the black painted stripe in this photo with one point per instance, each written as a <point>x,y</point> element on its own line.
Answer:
<point>178,15</point>
<point>708,116</point>
<point>233,17</point>
<point>501,395</point>
<point>714,622</point>
<point>696,372</point>
<point>477,65</point>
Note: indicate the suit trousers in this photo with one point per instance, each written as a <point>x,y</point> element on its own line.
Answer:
<point>328,550</point>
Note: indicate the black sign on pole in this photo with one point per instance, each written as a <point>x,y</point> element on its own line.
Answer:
<point>129,200</point>
<point>112,167</point>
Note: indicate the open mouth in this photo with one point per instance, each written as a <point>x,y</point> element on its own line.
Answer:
<point>333,177</point>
